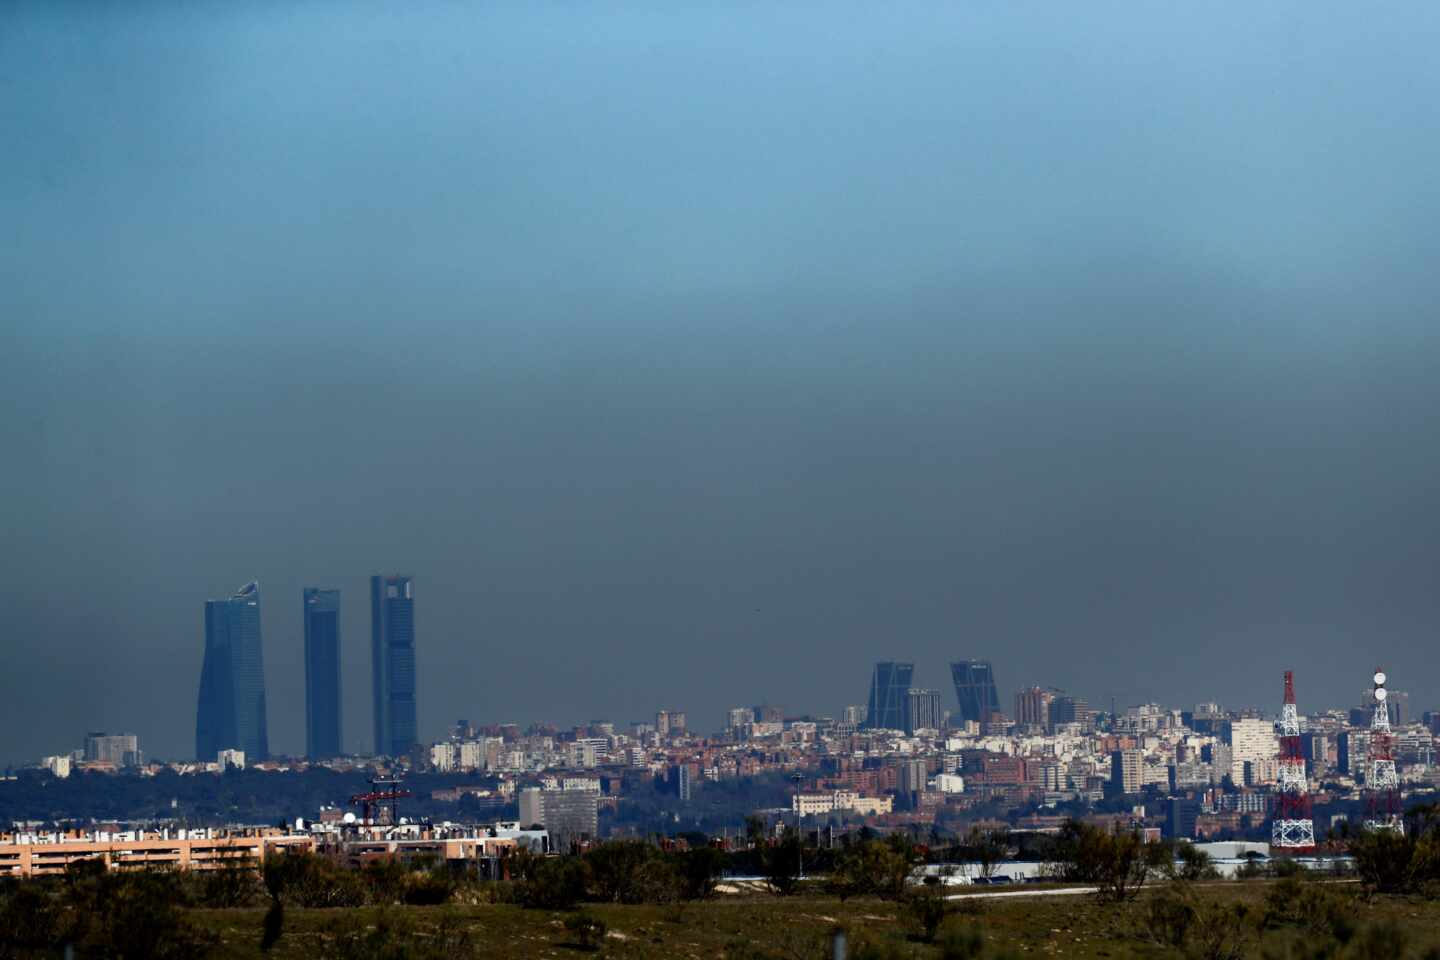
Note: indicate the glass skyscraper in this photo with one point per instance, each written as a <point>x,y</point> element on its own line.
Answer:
<point>322,673</point>
<point>975,689</point>
<point>231,710</point>
<point>392,661</point>
<point>889,685</point>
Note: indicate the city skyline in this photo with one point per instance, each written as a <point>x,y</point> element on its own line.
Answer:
<point>233,636</point>
<point>239,616</point>
<point>684,357</point>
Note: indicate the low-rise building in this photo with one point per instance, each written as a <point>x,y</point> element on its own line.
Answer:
<point>39,854</point>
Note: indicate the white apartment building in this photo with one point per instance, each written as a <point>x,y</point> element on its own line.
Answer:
<point>581,784</point>
<point>846,801</point>
<point>949,783</point>
<point>809,804</point>
<point>1252,740</point>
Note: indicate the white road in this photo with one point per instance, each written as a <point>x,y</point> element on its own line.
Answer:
<point>996,894</point>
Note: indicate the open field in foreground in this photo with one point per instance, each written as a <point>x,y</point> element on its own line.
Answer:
<point>1224,920</point>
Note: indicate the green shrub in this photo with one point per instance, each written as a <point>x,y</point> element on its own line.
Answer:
<point>874,867</point>
<point>1175,918</point>
<point>1284,867</point>
<point>394,935</point>
<point>927,912</point>
<point>781,864</point>
<point>589,931</point>
<point>657,881</point>
<point>429,889</point>
<point>1315,908</point>
<point>987,848</point>
<point>699,870</point>
<point>486,891</point>
<point>1392,862</point>
<point>614,867</point>
<point>1194,863</point>
<point>385,879</point>
<point>32,918</point>
<point>235,884</point>
<point>1167,918</point>
<point>140,914</point>
<point>866,948</point>
<point>1377,941</point>
<point>962,943</point>
<point>631,871</point>
<point>550,883</point>
<point>1118,862</point>
<point>1253,869</point>
<point>300,879</point>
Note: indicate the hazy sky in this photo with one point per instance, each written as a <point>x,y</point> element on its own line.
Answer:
<point>699,354</point>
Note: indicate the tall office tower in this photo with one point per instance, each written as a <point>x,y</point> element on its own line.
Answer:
<point>888,685</point>
<point>1180,816</point>
<point>322,673</point>
<point>1125,771</point>
<point>922,710</point>
<point>912,777</point>
<point>121,749</point>
<point>1070,710</point>
<point>1252,741</point>
<point>392,661</point>
<point>975,689</point>
<point>231,710</point>
<point>769,713</point>
<point>1032,707</point>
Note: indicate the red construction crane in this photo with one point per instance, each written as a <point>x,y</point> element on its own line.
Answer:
<point>387,789</point>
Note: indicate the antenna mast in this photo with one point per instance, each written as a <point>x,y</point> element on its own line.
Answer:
<point>1384,783</point>
<point>1293,829</point>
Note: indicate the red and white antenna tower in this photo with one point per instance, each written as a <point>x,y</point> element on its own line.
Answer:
<point>1293,829</point>
<point>1384,783</point>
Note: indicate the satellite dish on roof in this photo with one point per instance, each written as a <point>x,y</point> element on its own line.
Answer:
<point>1380,678</point>
<point>1380,694</point>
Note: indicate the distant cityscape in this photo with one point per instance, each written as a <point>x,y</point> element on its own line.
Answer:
<point>900,759</point>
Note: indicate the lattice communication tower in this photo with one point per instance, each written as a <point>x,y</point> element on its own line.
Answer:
<point>1384,783</point>
<point>1293,830</point>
